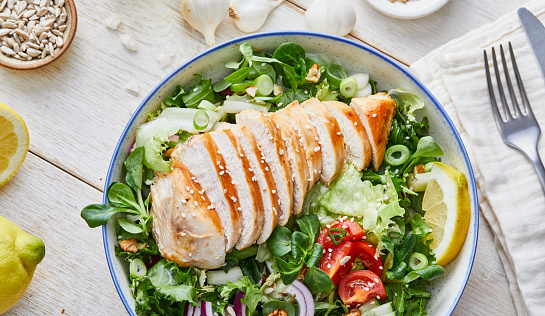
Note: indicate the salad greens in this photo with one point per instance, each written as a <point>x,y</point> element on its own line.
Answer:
<point>378,201</point>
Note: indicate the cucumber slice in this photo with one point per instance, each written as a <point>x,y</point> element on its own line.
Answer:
<point>382,310</point>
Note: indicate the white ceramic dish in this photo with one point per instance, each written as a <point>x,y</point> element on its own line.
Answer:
<point>412,9</point>
<point>355,57</point>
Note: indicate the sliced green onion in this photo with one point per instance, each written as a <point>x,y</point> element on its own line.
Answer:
<point>206,105</point>
<point>418,261</point>
<point>264,85</point>
<point>137,268</point>
<point>397,155</point>
<point>336,235</point>
<point>349,87</point>
<point>200,120</point>
<point>239,87</point>
<point>335,74</point>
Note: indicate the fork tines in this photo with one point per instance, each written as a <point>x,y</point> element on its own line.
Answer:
<point>523,110</point>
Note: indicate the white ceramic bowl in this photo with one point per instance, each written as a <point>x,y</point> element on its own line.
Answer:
<point>355,57</point>
<point>412,9</point>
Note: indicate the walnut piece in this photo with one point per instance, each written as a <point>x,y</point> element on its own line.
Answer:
<point>278,312</point>
<point>353,312</point>
<point>251,90</point>
<point>313,74</point>
<point>130,245</point>
<point>277,90</point>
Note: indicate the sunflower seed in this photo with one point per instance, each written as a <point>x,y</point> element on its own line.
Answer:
<point>48,23</point>
<point>4,32</point>
<point>9,25</point>
<point>59,42</point>
<point>28,13</point>
<point>44,53</point>
<point>43,3</point>
<point>62,28</point>
<point>24,55</point>
<point>16,48</point>
<point>3,5</point>
<point>32,45</point>
<point>10,4</point>
<point>41,12</point>
<point>42,36</point>
<point>6,50</point>
<point>4,15</point>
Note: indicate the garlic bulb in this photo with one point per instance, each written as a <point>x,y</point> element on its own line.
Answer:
<point>250,15</point>
<point>336,17</point>
<point>205,16</point>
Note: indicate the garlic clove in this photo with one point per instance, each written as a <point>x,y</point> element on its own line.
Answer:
<point>205,16</point>
<point>250,15</point>
<point>336,17</point>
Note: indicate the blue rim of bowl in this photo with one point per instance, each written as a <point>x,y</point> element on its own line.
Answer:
<point>237,40</point>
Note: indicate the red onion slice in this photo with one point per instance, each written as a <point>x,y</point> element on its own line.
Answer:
<point>174,138</point>
<point>192,310</point>
<point>206,309</point>
<point>239,307</point>
<point>303,296</point>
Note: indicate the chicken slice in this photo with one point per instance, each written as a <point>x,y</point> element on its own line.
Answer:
<point>308,138</point>
<point>237,165</point>
<point>297,161</point>
<point>262,176</point>
<point>271,145</point>
<point>376,113</point>
<point>201,156</point>
<point>187,230</point>
<point>331,141</point>
<point>356,141</point>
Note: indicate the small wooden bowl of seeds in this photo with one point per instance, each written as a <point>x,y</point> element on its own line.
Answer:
<point>34,33</point>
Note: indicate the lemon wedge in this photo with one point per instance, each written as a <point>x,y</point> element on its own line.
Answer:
<point>13,142</point>
<point>448,212</point>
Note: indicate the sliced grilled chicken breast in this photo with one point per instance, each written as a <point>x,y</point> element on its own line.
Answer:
<point>271,145</point>
<point>262,176</point>
<point>251,206</point>
<point>376,113</point>
<point>330,139</point>
<point>201,156</point>
<point>298,166</point>
<point>308,138</point>
<point>187,230</point>
<point>356,141</point>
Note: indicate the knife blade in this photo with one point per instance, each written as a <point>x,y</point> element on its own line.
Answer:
<point>535,31</point>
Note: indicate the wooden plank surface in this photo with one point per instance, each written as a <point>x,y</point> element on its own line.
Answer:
<point>410,40</point>
<point>77,107</point>
<point>73,278</point>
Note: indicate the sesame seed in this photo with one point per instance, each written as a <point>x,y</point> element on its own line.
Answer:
<point>224,191</point>
<point>266,168</point>
<point>316,138</point>
<point>355,123</point>
<point>192,178</point>
<point>374,115</point>
<point>218,151</point>
<point>191,191</point>
<point>270,138</point>
<point>218,163</point>
<point>187,188</point>
<point>262,161</point>
<point>241,155</point>
<point>202,197</point>
<point>240,208</point>
<point>183,214</point>
<point>339,133</point>
<point>273,191</point>
<point>317,149</point>
<point>196,204</point>
<point>222,173</point>
<point>250,169</point>
<point>182,234</point>
<point>221,167</point>
<point>184,201</point>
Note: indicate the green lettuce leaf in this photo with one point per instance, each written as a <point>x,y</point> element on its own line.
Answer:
<point>152,136</point>
<point>408,102</point>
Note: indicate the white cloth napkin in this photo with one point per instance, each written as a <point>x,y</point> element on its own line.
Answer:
<point>510,194</point>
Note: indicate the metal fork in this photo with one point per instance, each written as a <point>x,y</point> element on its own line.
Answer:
<point>520,129</point>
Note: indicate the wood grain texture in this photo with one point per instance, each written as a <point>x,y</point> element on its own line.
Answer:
<point>73,278</point>
<point>409,40</point>
<point>77,107</point>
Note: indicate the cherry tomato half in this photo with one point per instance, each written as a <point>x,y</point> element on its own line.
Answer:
<point>353,232</point>
<point>331,261</point>
<point>368,255</point>
<point>360,286</point>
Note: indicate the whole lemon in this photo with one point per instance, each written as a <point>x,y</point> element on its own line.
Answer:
<point>20,253</point>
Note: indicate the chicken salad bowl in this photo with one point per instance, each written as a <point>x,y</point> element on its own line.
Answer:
<point>286,172</point>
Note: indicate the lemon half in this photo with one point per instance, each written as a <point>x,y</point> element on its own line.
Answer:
<point>448,212</point>
<point>13,142</point>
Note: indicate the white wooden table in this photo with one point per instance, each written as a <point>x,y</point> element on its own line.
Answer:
<point>77,107</point>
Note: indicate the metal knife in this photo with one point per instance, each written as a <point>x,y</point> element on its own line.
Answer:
<point>535,31</point>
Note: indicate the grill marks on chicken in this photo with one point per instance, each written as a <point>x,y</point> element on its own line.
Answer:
<point>253,175</point>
